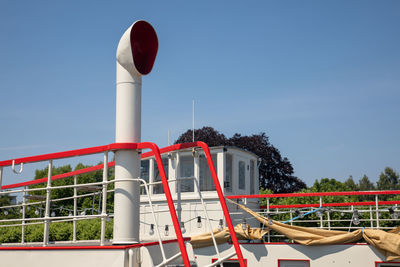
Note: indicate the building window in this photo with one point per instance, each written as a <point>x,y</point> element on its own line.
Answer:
<point>228,173</point>
<point>252,176</point>
<point>158,188</point>
<point>144,174</point>
<point>293,263</point>
<point>206,180</point>
<point>230,262</point>
<point>242,175</point>
<point>186,166</point>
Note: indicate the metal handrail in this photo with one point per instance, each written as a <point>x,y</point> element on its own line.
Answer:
<point>156,153</point>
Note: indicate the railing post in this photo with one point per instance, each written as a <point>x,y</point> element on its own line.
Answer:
<point>196,168</point>
<point>322,216</point>
<point>75,208</point>
<point>291,216</point>
<point>47,208</point>
<point>23,216</point>
<point>329,219</point>
<point>377,211</point>
<point>151,175</point>
<point>371,219</point>
<point>104,204</point>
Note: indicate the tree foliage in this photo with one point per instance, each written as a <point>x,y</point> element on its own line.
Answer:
<point>276,172</point>
<point>388,180</point>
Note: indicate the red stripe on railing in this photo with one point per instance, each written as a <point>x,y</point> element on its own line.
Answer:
<point>340,204</point>
<point>59,176</point>
<point>70,153</point>
<point>319,194</point>
<point>156,152</point>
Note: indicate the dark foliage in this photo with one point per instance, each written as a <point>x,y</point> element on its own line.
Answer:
<point>276,173</point>
<point>206,134</point>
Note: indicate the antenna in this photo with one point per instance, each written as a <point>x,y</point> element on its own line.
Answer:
<point>193,120</point>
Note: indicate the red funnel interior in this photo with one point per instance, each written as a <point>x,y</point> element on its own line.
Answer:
<point>144,44</point>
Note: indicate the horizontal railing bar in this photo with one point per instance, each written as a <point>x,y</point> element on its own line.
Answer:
<point>69,219</point>
<point>317,194</point>
<point>340,204</point>
<point>71,153</point>
<point>55,218</point>
<point>59,176</point>
<point>81,152</point>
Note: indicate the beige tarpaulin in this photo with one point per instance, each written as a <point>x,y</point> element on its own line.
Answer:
<point>386,242</point>
<point>205,240</point>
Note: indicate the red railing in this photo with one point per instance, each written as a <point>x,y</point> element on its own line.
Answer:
<point>323,194</point>
<point>318,194</point>
<point>156,152</point>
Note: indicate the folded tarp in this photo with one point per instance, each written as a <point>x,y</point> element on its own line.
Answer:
<point>388,243</point>
<point>222,236</point>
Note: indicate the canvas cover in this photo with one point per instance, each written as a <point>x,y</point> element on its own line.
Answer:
<point>388,243</point>
<point>205,240</point>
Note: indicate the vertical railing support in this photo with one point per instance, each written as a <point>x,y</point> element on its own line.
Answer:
<point>328,214</point>
<point>322,216</point>
<point>104,204</point>
<point>47,208</point>
<point>371,218</point>
<point>151,175</point>
<point>75,208</point>
<point>23,216</point>
<point>377,211</point>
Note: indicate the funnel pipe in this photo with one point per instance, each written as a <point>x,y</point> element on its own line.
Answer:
<point>136,53</point>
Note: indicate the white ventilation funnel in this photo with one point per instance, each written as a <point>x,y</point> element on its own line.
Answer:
<point>136,54</point>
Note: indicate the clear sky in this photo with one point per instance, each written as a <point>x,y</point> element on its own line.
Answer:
<point>321,78</point>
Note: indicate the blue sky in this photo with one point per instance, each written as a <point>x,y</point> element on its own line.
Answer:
<point>321,78</point>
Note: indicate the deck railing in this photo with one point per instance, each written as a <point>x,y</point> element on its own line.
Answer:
<point>330,215</point>
<point>102,189</point>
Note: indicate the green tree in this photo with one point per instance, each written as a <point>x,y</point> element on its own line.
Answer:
<point>350,184</point>
<point>364,184</point>
<point>388,180</point>
<point>65,206</point>
<point>276,172</point>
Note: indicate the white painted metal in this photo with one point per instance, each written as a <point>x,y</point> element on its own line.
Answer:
<point>344,255</point>
<point>47,208</point>
<point>21,167</point>
<point>128,130</point>
<point>23,209</point>
<point>377,211</point>
<point>64,258</point>
<point>104,199</point>
<point>75,208</point>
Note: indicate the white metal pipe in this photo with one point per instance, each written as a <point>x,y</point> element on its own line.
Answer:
<point>104,204</point>
<point>23,216</point>
<point>377,211</point>
<point>47,208</point>
<point>136,53</point>
<point>151,175</point>
<point>75,208</point>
